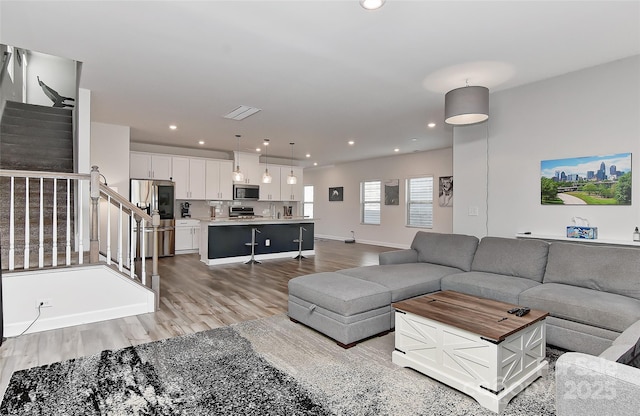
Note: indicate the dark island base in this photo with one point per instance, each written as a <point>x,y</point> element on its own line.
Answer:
<point>232,243</point>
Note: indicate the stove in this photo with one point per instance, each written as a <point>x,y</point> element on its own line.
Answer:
<point>241,212</point>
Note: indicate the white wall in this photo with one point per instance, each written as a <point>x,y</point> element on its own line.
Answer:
<point>590,112</point>
<point>79,295</point>
<point>470,184</point>
<point>110,152</point>
<point>57,73</point>
<point>336,220</point>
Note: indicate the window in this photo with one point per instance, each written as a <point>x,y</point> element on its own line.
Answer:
<point>370,192</point>
<point>307,205</point>
<point>420,202</point>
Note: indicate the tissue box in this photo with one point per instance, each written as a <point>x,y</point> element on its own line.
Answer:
<point>576,231</point>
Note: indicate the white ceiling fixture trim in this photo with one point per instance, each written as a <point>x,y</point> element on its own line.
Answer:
<point>242,112</point>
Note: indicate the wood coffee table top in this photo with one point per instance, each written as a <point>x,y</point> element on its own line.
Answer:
<point>485,317</point>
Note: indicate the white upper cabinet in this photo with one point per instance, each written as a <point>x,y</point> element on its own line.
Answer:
<point>270,191</point>
<point>291,192</point>
<point>249,166</point>
<point>149,166</point>
<point>218,180</point>
<point>189,175</point>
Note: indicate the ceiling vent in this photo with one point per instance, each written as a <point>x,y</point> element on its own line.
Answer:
<point>242,112</point>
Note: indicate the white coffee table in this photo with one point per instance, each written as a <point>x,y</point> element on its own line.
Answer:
<point>471,344</point>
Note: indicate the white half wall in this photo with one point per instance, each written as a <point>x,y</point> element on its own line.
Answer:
<point>590,112</point>
<point>78,295</point>
<point>336,220</point>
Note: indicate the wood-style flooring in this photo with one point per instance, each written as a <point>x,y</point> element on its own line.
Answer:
<point>193,297</point>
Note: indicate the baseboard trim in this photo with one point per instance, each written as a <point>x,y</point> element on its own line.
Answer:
<point>370,242</point>
<point>45,324</point>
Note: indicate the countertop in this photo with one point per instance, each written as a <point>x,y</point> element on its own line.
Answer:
<point>220,221</point>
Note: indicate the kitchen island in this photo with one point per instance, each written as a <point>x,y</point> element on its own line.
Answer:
<point>228,240</point>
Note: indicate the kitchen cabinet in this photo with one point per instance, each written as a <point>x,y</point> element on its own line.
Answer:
<point>187,236</point>
<point>291,192</point>
<point>270,191</point>
<point>219,183</point>
<point>249,166</point>
<point>189,175</point>
<point>149,166</point>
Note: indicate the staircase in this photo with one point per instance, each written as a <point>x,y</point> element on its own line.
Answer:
<point>36,138</point>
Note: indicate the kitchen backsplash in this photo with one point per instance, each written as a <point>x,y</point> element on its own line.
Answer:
<point>201,209</point>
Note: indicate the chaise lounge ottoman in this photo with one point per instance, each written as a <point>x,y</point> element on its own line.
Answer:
<point>345,308</point>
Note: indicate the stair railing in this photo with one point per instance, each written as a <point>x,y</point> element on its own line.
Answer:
<point>38,178</point>
<point>125,211</point>
<point>138,222</point>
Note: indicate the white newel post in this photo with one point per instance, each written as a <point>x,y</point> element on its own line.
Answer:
<point>94,243</point>
<point>155,278</point>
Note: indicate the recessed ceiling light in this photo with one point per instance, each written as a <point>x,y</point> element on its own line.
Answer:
<point>201,142</point>
<point>315,163</point>
<point>351,142</point>
<point>414,139</point>
<point>308,155</point>
<point>431,125</point>
<point>396,150</point>
<point>258,149</point>
<point>173,126</point>
<point>371,4</point>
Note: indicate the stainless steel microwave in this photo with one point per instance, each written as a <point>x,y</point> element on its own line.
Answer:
<point>243,192</point>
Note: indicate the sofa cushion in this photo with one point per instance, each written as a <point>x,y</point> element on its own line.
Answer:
<point>587,306</point>
<point>453,250</point>
<point>608,269</point>
<point>339,293</point>
<point>398,257</point>
<point>488,285</point>
<point>404,280</point>
<point>512,257</point>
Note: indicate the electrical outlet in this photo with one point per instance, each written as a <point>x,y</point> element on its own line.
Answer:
<point>267,242</point>
<point>44,303</point>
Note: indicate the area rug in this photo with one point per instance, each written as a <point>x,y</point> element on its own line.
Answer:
<point>268,366</point>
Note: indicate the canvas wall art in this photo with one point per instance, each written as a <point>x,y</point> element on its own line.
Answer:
<point>392,192</point>
<point>590,180</point>
<point>445,191</point>
<point>336,193</point>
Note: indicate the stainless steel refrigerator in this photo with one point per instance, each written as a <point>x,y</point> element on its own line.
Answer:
<point>148,195</point>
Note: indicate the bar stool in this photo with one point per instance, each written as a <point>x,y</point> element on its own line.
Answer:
<point>299,240</point>
<point>253,245</point>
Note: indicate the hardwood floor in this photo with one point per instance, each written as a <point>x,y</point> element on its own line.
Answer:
<point>193,297</point>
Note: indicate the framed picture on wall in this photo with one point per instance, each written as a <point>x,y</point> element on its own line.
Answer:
<point>392,192</point>
<point>336,193</point>
<point>445,191</point>
<point>590,180</point>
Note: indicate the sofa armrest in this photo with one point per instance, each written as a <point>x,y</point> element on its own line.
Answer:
<point>398,257</point>
<point>589,385</point>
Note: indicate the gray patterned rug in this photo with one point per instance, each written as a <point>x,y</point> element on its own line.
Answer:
<point>268,366</point>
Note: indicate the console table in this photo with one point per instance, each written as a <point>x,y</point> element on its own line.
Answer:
<point>579,240</point>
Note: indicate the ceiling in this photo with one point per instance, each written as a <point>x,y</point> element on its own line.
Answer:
<point>322,72</point>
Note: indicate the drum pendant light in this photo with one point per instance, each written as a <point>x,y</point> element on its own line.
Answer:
<point>466,105</point>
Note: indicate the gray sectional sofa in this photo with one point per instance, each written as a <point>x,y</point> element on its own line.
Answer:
<point>592,294</point>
